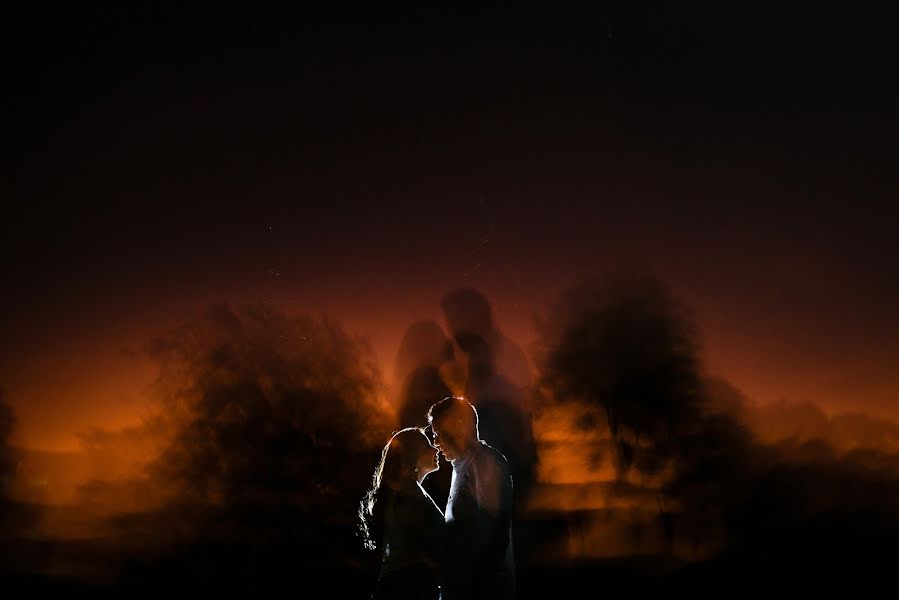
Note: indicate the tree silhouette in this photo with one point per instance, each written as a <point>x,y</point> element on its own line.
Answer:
<point>15,517</point>
<point>620,342</point>
<point>274,429</point>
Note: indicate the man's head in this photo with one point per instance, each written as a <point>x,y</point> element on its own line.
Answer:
<point>467,313</point>
<point>454,426</point>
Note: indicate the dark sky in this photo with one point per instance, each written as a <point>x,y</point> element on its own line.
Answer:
<point>362,162</point>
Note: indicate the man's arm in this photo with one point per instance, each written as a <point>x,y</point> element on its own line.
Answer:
<point>494,496</point>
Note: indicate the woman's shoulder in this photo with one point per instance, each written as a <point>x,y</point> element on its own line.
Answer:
<point>415,511</point>
<point>410,499</point>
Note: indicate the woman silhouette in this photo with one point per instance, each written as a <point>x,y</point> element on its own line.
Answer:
<point>401,521</point>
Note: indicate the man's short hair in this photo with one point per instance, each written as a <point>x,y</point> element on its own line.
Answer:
<point>454,407</point>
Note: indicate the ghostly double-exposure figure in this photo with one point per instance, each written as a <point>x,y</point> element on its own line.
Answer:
<point>424,353</point>
<point>469,316</point>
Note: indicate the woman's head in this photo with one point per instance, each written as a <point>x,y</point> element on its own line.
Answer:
<point>408,456</point>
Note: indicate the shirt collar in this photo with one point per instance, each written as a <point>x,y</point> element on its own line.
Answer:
<point>465,458</point>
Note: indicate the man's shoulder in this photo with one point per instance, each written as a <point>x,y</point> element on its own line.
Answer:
<point>494,479</point>
<point>487,454</point>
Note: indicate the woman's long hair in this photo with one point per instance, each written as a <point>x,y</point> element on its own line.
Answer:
<point>399,459</point>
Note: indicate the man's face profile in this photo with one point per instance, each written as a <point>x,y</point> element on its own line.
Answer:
<point>449,437</point>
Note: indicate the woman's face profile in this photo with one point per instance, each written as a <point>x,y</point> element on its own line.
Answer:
<point>428,461</point>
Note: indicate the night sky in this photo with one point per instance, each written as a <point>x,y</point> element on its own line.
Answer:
<point>362,162</point>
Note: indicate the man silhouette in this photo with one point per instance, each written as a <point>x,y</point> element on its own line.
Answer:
<point>469,317</point>
<point>497,377</point>
<point>478,560</point>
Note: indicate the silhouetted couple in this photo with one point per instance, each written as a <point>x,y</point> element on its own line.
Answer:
<point>480,363</point>
<point>466,550</point>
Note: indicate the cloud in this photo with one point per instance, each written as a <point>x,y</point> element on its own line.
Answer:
<point>804,421</point>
